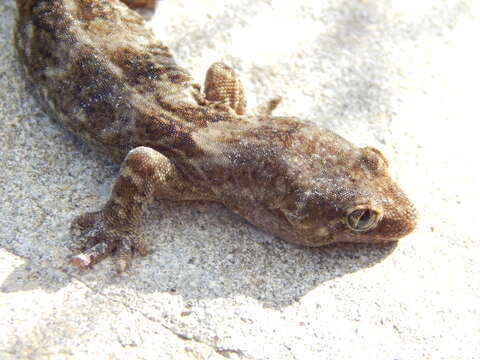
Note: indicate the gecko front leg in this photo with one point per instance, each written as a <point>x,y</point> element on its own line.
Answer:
<point>117,228</point>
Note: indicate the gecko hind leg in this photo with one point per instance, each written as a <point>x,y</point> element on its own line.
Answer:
<point>117,228</point>
<point>224,86</point>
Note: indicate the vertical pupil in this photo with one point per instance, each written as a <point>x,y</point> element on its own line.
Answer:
<point>365,217</point>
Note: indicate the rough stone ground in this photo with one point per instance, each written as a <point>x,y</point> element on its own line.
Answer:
<point>399,75</point>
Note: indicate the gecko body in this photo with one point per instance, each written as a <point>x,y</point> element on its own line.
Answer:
<point>97,69</point>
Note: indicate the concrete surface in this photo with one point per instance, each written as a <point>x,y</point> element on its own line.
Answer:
<point>399,75</point>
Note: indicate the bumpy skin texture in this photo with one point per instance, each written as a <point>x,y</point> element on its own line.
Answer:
<point>98,70</point>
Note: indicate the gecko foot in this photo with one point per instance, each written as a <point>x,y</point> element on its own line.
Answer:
<point>100,239</point>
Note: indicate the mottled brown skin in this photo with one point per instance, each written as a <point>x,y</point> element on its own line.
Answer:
<point>100,72</point>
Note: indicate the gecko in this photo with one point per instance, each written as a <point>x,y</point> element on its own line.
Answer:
<point>96,68</point>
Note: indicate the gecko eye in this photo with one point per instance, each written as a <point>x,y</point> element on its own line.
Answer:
<point>362,219</point>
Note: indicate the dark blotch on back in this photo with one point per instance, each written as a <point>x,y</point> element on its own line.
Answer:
<point>143,67</point>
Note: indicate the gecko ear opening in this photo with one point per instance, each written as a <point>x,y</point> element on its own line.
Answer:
<point>374,159</point>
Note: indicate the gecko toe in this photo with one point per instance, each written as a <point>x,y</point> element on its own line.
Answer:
<point>101,247</point>
<point>123,255</point>
<point>80,261</point>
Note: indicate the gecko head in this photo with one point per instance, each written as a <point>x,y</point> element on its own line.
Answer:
<point>308,185</point>
<point>381,211</point>
<point>347,196</point>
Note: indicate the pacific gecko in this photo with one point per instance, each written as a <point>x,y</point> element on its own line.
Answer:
<point>97,69</point>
